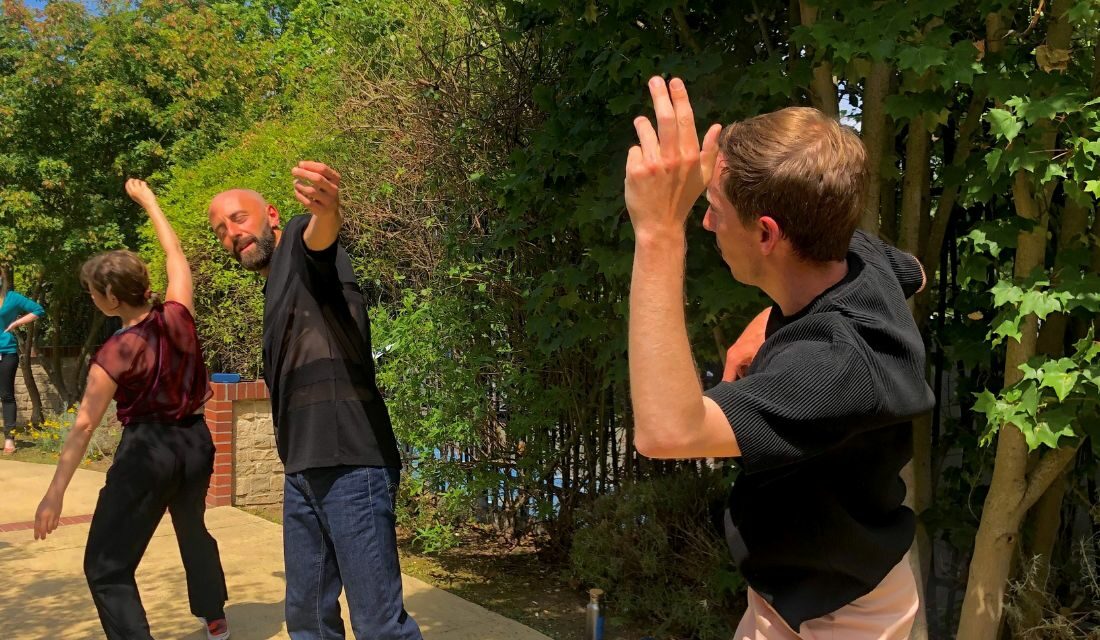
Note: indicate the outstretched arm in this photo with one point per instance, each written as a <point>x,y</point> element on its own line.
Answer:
<point>665,175</point>
<point>97,396</point>
<point>20,321</point>
<point>318,188</point>
<point>31,312</point>
<point>180,288</point>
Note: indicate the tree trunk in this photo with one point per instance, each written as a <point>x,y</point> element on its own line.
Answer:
<point>1043,524</point>
<point>874,131</point>
<point>84,359</point>
<point>54,363</point>
<point>1045,520</point>
<point>822,88</point>
<point>934,246</point>
<point>917,475</point>
<point>27,369</point>
<point>1013,490</point>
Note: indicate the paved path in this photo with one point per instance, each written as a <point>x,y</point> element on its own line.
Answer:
<point>43,593</point>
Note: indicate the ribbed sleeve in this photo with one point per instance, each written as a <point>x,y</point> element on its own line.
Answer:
<point>809,398</point>
<point>904,267</point>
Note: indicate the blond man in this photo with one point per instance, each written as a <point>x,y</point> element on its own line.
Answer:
<point>821,389</point>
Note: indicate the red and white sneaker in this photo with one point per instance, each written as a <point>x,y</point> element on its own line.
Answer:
<point>217,629</point>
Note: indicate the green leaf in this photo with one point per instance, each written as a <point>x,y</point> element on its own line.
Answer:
<point>1003,123</point>
<point>993,161</point>
<point>1004,292</point>
<point>921,58</point>
<point>1060,376</point>
<point>1053,425</point>
<point>1009,327</point>
<point>986,402</point>
<point>1039,303</point>
<point>623,104</point>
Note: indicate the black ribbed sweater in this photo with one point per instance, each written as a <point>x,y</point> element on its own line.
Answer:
<point>823,421</point>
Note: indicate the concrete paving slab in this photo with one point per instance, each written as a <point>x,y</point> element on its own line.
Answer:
<point>43,593</point>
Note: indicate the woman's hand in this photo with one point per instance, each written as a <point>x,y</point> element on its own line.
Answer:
<point>47,517</point>
<point>139,192</point>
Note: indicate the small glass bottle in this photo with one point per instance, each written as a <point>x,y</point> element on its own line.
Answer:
<point>594,616</point>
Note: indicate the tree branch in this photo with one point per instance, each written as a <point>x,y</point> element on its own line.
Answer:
<point>685,31</point>
<point>1048,469</point>
<point>822,89</point>
<point>763,31</point>
<point>876,89</point>
<point>946,204</point>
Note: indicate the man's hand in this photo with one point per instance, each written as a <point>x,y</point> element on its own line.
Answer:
<point>667,171</point>
<point>140,193</point>
<point>47,517</point>
<point>317,187</point>
<point>742,353</point>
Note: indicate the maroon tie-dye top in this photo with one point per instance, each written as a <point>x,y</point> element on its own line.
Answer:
<point>158,366</point>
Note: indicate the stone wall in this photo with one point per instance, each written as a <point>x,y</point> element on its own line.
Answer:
<point>257,471</point>
<point>51,400</point>
<point>247,471</point>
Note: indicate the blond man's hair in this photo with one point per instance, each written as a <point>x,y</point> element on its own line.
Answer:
<point>803,169</point>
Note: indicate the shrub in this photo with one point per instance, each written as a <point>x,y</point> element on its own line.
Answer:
<point>655,550</point>
<point>50,435</point>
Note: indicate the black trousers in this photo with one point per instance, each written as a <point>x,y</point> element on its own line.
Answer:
<point>158,467</point>
<point>9,366</point>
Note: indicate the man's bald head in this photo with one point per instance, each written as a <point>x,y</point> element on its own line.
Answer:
<point>237,199</point>
<point>244,222</point>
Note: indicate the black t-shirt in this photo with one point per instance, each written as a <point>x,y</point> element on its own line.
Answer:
<point>318,361</point>
<point>823,421</point>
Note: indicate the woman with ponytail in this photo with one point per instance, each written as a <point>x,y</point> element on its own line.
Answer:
<point>153,368</point>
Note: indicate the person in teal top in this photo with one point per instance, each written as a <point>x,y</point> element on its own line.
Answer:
<point>15,311</point>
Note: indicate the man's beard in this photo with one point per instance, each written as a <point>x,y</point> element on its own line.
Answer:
<point>259,255</point>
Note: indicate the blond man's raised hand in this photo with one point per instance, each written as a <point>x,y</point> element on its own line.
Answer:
<point>667,170</point>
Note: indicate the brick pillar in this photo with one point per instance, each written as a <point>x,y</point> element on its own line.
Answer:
<point>219,418</point>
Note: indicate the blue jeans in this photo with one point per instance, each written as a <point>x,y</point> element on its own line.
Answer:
<point>339,532</point>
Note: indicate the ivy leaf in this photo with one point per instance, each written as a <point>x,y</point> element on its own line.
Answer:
<point>1004,292</point>
<point>1087,348</point>
<point>961,66</point>
<point>1032,369</point>
<point>1003,123</point>
<point>1009,327</point>
<point>993,161</point>
<point>1053,425</point>
<point>922,58</point>
<point>1060,376</point>
<point>1039,303</point>
<point>1029,400</point>
<point>1092,374</point>
<point>974,267</point>
<point>985,402</point>
<point>622,104</point>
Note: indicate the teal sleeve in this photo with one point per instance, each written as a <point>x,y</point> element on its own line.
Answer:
<point>26,305</point>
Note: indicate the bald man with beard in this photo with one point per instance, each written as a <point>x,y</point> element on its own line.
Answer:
<point>332,428</point>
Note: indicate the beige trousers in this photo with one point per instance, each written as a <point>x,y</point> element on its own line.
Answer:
<point>887,613</point>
